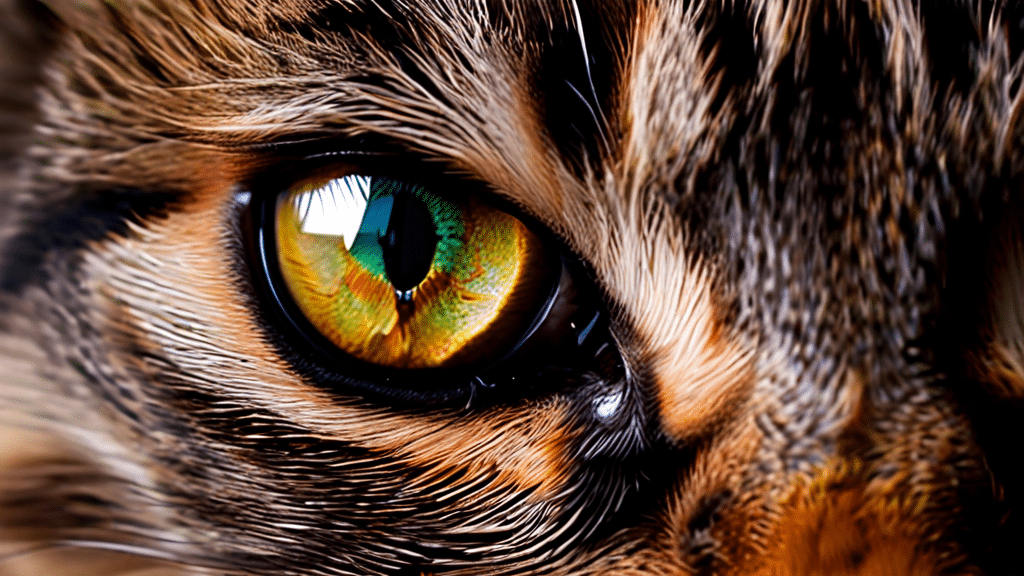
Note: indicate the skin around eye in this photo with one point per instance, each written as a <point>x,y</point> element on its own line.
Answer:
<point>396,275</point>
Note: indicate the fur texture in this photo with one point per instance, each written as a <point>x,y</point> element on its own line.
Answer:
<point>803,218</point>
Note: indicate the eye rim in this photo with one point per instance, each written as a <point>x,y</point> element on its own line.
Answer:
<point>320,362</point>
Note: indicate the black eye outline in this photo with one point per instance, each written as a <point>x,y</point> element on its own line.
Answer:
<point>569,340</point>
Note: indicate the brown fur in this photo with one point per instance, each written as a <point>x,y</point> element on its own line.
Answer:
<point>802,217</point>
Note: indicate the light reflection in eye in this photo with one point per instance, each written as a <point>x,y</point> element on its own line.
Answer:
<point>335,210</point>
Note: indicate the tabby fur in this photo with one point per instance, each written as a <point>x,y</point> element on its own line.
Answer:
<point>803,216</point>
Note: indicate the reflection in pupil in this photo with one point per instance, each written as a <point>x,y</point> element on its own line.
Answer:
<point>409,242</point>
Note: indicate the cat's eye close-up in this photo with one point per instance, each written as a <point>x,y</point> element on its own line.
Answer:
<point>396,275</point>
<point>516,287</point>
<point>411,289</point>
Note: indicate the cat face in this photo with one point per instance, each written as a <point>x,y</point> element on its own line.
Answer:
<point>630,288</point>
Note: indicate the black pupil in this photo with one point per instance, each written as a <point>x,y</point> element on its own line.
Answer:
<point>409,242</point>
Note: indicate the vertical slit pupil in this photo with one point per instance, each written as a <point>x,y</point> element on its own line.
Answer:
<point>409,243</point>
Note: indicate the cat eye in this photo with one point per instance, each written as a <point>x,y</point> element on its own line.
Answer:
<point>396,275</point>
<point>404,283</point>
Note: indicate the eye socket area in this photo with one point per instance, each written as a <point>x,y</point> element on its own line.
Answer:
<point>413,292</point>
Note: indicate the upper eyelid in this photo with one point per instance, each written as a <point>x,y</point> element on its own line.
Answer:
<point>356,154</point>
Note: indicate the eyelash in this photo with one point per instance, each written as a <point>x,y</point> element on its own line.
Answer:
<point>559,342</point>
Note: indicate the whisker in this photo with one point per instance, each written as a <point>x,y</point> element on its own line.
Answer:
<point>599,118</point>
<point>593,114</point>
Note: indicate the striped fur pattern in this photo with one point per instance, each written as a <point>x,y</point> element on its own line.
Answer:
<point>803,218</point>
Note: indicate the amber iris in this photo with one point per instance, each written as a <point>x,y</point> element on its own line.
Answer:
<point>396,275</point>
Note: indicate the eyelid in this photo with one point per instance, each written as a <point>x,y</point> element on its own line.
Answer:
<point>360,154</point>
